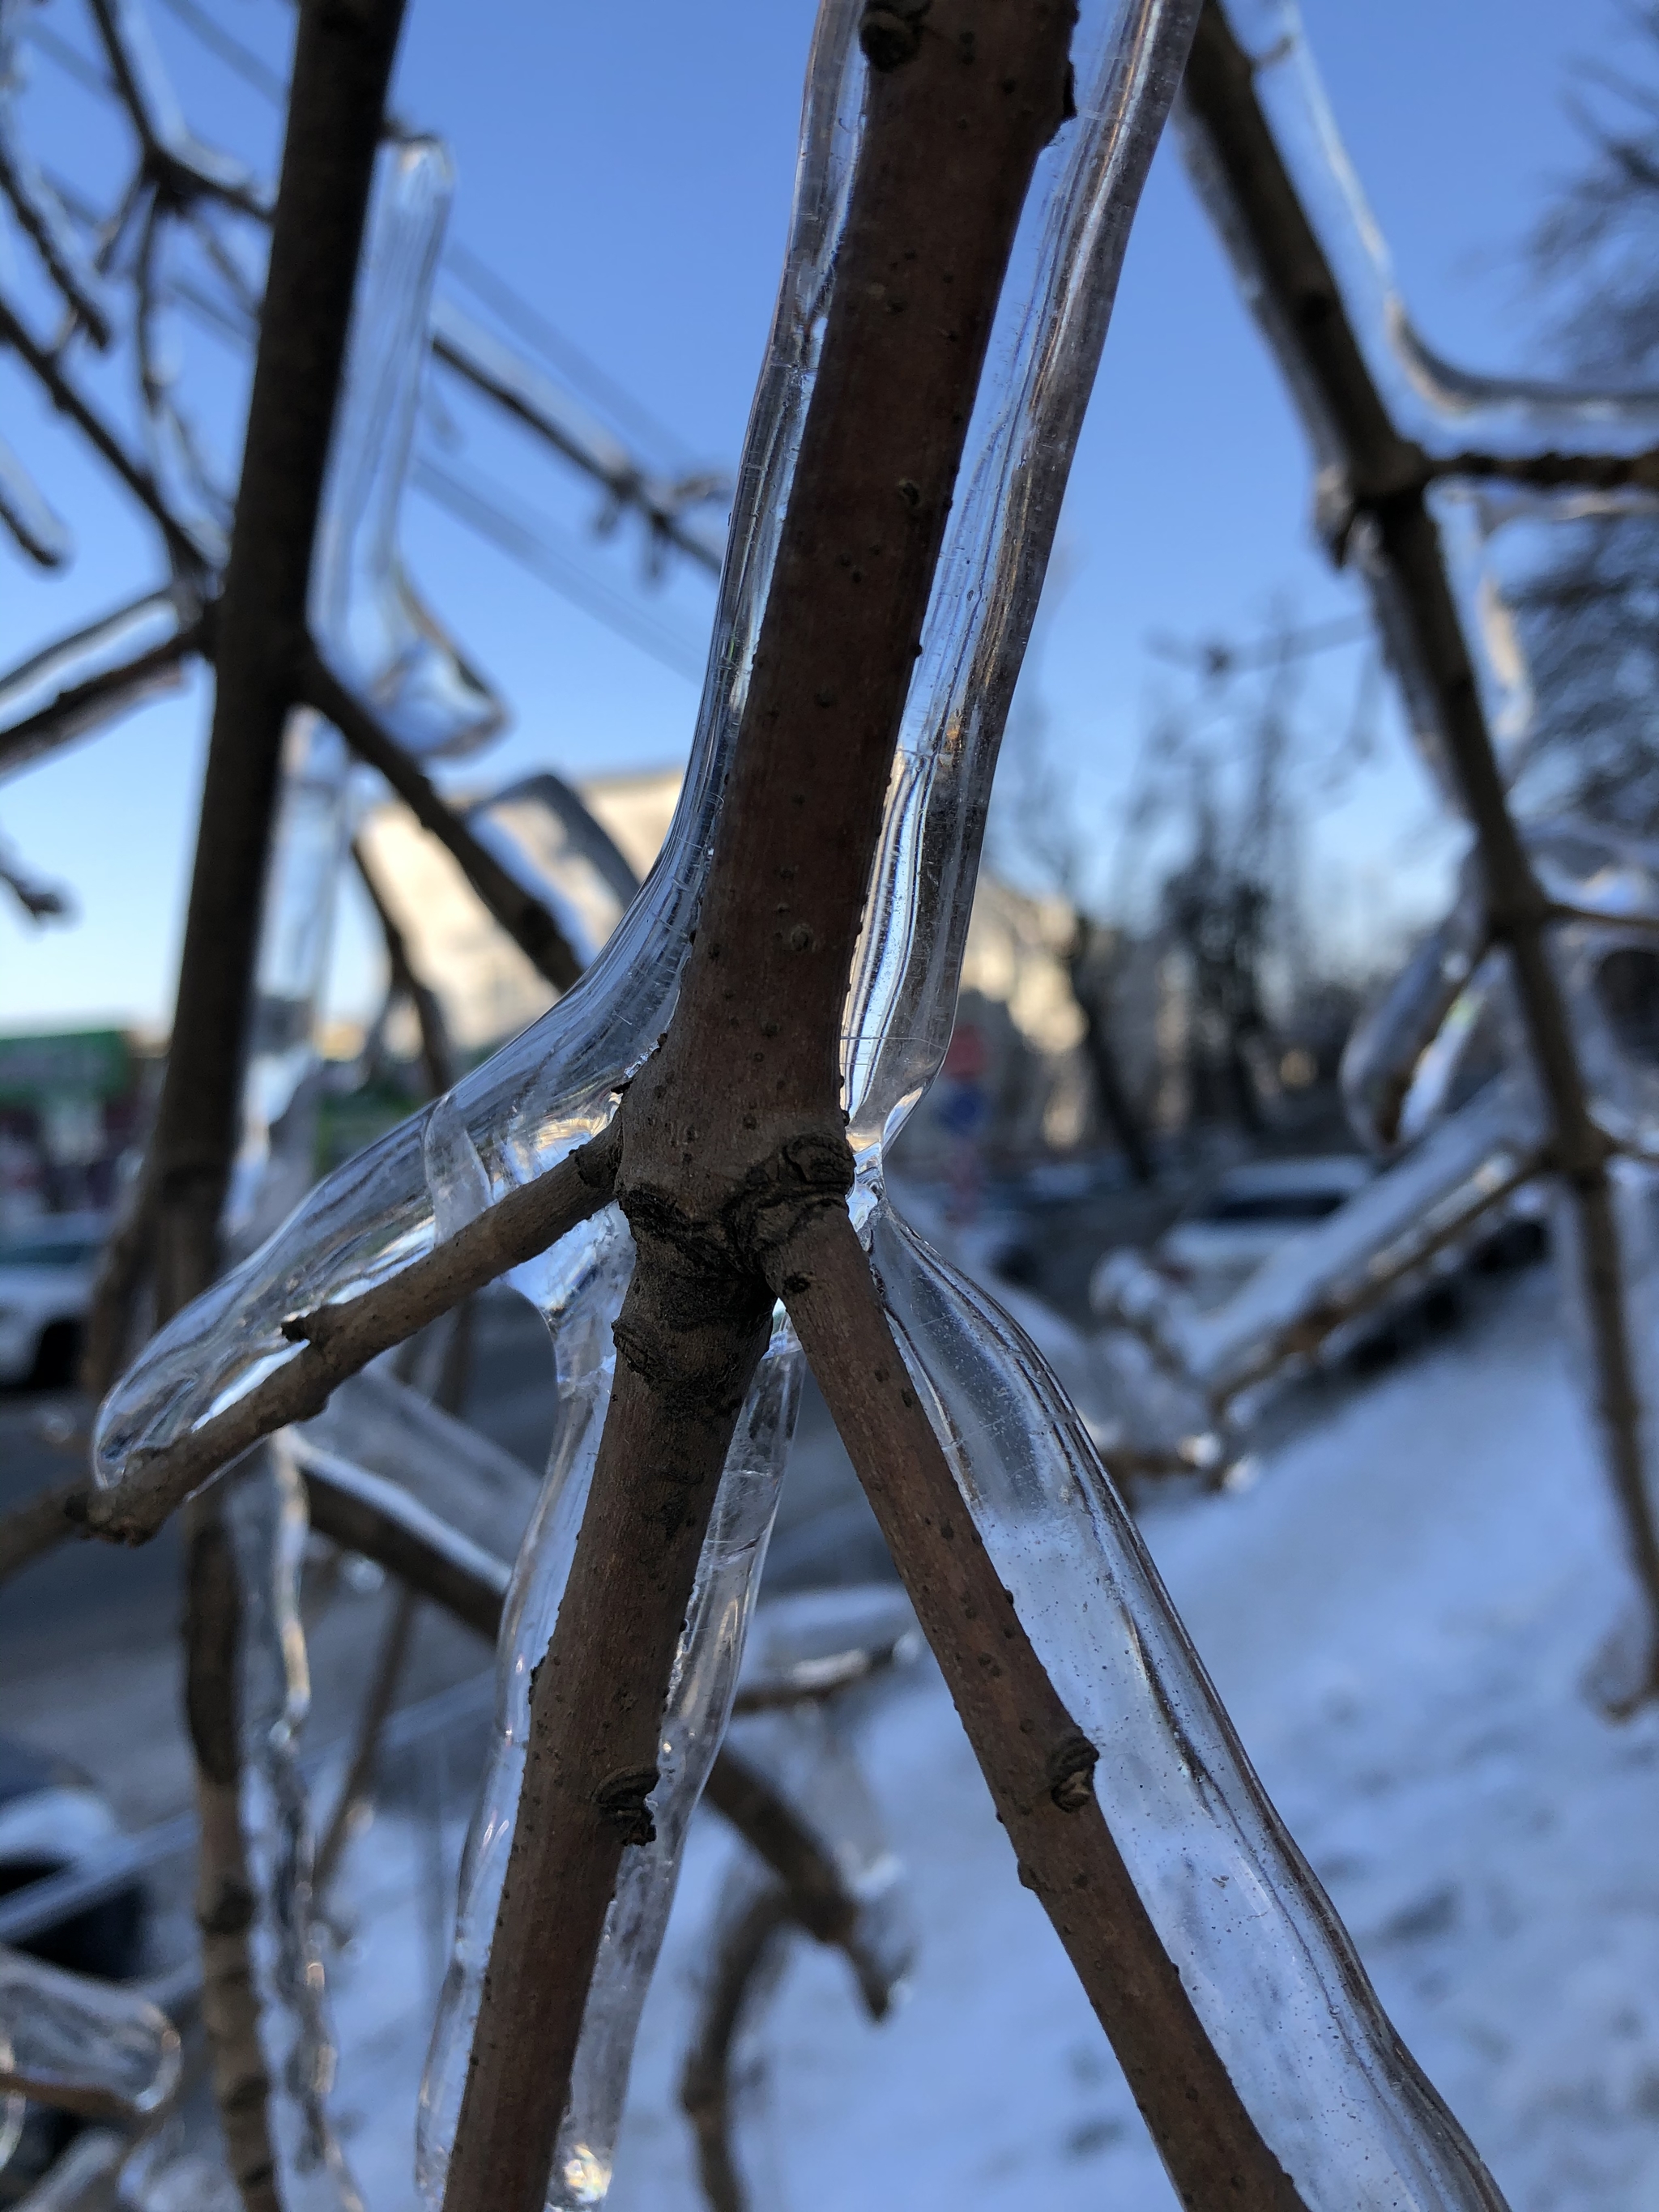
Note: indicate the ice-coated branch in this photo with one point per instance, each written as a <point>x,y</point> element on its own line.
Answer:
<point>82,2046</point>
<point>525,919</point>
<point>1036,1760</point>
<point>531,398</point>
<point>438,1059</point>
<point>747,1946</point>
<point>37,530</point>
<point>338,1341</point>
<point>77,709</point>
<point>1385,507</point>
<point>177,161</point>
<point>43,365</point>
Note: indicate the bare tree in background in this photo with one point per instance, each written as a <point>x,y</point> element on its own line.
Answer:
<point>1590,616</point>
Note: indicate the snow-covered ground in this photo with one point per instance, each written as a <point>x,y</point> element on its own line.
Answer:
<point>1398,1615</point>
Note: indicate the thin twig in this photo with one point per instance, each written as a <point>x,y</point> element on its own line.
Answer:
<point>82,706</point>
<point>524,917</point>
<point>43,365</point>
<point>339,1340</point>
<point>748,1949</point>
<point>438,1059</point>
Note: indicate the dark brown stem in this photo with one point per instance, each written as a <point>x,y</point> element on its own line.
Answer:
<point>1302,307</point>
<point>1038,1762</point>
<point>38,1525</point>
<point>525,919</point>
<point>339,1340</point>
<point>342,61</point>
<point>224,1887</point>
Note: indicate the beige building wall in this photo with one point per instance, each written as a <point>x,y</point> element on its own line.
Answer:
<point>1015,982</point>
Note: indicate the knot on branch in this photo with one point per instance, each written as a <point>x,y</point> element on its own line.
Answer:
<point>778,1197</point>
<point>889,32</point>
<point>1071,1773</point>
<point>621,1804</point>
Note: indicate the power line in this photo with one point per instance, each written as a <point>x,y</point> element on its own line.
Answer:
<point>523,538</point>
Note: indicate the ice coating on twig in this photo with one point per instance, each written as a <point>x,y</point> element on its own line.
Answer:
<point>1488,448</point>
<point>1321,1281</point>
<point>189,165</point>
<point>550,1089</point>
<point>1273,1977</point>
<point>806,1752</point>
<point>1386,1046</point>
<point>543,836</point>
<point>83,2045</point>
<point>77,683</point>
<point>37,207</point>
<point>1449,411</point>
<point>367,619</point>
<point>38,531</point>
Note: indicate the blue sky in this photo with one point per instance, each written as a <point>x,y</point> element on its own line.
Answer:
<point>630,172</point>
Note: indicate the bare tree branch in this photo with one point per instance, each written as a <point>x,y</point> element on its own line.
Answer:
<point>44,367</point>
<point>525,919</point>
<point>1303,308</point>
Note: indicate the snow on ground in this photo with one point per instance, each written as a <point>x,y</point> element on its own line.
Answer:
<point>1399,1616</point>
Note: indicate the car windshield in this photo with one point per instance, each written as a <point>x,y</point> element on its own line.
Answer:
<point>1272,1205</point>
<point>49,1255</point>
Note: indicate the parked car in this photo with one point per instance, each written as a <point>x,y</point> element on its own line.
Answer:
<point>46,1272</point>
<point>1249,1214</point>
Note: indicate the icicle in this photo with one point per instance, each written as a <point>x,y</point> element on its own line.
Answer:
<point>367,619</point>
<point>83,2045</point>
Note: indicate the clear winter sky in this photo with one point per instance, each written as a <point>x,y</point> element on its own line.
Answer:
<point>630,169</point>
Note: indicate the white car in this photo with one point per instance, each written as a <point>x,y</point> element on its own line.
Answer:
<point>1248,1215</point>
<point>46,1273</point>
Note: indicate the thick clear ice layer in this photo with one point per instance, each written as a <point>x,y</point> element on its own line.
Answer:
<point>86,2045</point>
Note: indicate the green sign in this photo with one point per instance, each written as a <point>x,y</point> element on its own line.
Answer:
<point>68,1064</point>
